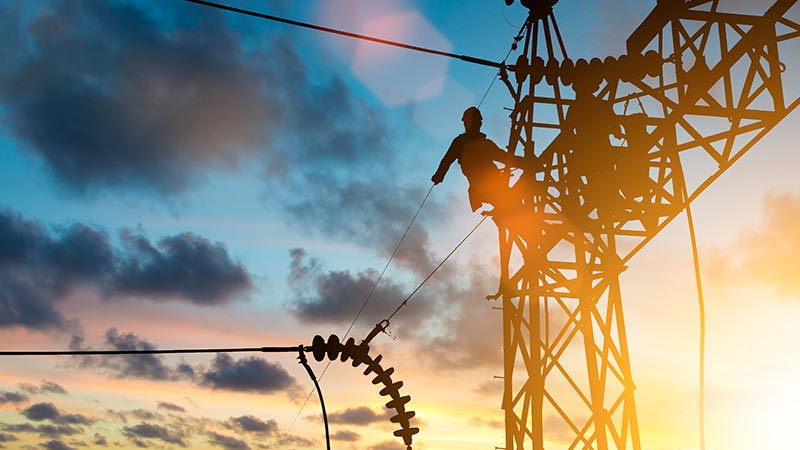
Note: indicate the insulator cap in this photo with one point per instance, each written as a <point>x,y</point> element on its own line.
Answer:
<point>334,347</point>
<point>399,402</point>
<point>567,72</point>
<point>385,377</point>
<point>522,69</point>
<point>374,365</point>
<point>392,389</point>
<point>318,348</point>
<point>551,72</point>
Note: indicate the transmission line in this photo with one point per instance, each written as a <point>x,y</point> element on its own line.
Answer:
<point>156,351</point>
<point>247,12</point>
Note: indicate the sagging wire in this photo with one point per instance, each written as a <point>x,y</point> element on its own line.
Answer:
<point>382,325</point>
<point>702,310</point>
<point>366,300</point>
<point>301,349</point>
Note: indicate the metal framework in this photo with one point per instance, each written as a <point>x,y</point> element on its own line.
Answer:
<point>706,85</point>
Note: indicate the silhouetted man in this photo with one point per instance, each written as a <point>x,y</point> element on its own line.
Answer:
<point>477,155</point>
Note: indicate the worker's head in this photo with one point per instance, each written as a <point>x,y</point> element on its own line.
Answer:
<point>472,119</point>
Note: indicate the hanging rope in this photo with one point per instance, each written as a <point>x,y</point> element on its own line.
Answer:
<point>304,362</point>
<point>382,325</point>
<point>701,304</point>
<point>366,300</point>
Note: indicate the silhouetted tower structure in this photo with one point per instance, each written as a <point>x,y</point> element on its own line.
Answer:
<point>697,88</point>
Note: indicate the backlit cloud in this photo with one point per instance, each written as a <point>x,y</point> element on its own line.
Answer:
<point>768,255</point>
<point>40,266</point>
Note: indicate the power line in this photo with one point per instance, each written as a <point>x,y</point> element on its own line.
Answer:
<point>405,302</point>
<point>465,58</point>
<point>157,351</point>
<point>366,300</point>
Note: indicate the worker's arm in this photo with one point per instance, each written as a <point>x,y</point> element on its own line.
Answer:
<point>509,159</point>
<point>448,159</point>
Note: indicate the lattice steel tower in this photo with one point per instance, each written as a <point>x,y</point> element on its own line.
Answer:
<point>601,181</point>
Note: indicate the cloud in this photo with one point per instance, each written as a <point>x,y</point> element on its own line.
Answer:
<point>40,266</point>
<point>151,367</point>
<point>251,374</point>
<point>107,96</point>
<point>171,407</point>
<point>369,213</point>
<point>388,445</point>
<point>227,442</point>
<point>42,411</point>
<point>490,388</point>
<point>360,415</point>
<point>100,440</point>
<point>12,397</point>
<point>185,266</point>
<point>448,334</point>
<point>290,439</point>
<point>346,436</point>
<point>5,437</point>
<point>156,432</point>
<point>46,387</point>
<point>768,255</point>
<point>252,424</point>
<point>48,411</point>
<point>336,296</point>
<point>44,430</point>
<point>481,422</point>
<point>56,445</point>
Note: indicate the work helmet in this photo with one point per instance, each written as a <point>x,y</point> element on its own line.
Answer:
<point>472,112</point>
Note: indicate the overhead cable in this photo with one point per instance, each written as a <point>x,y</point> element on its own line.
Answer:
<point>465,58</point>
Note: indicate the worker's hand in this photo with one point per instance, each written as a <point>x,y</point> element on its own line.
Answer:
<point>436,178</point>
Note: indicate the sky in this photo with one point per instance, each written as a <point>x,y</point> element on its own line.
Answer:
<point>172,176</point>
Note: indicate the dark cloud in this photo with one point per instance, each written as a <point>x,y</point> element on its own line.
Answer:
<point>369,214</point>
<point>46,387</point>
<point>150,367</point>
<point>5,437</point>
<point>185,266</point>
<point>252,424</point>
<point>345,436</point>
<point>48,411</point>
<point>360,415</point>
<point>39,267</point>
<point>154,103</point>
<point>12,397</point>
<point>45,430</point>
<point>320,296</point>
<point>29,303</point>
<point>108,96</point>
<point>156,432</point>
<point>56,445</point>
<point>227,442</point>
<point>42,411</point>
<point>171,407</point>
<point>452,326</point>
<point>336,296</point>
<point>100,440</point>
<point>251,374</point>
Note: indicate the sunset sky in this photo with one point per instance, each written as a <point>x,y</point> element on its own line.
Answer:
<point>174,176</point>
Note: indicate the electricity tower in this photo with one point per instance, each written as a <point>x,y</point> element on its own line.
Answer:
<point>697,89</point>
